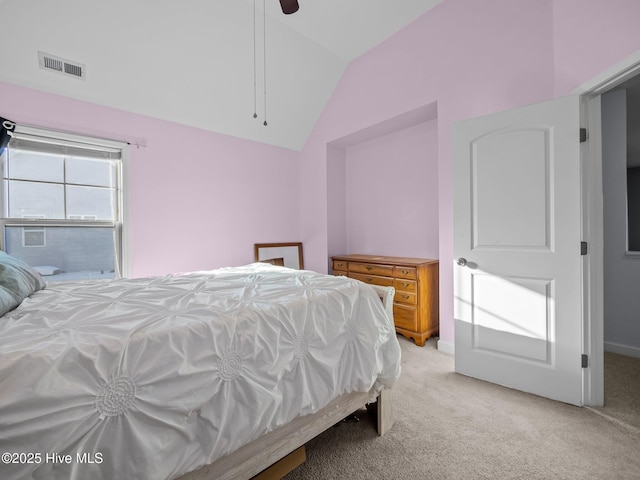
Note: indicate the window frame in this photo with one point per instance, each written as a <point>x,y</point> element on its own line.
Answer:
<point>120,222</point>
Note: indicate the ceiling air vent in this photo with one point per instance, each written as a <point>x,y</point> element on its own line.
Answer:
<point>60,65</point>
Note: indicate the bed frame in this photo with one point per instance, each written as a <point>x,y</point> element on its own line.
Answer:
<point>260,454</point>
<point>263,452</point>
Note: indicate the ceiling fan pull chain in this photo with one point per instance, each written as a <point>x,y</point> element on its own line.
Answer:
<point>288,7</point>
<point>264,30</point>
<point>255,88</point>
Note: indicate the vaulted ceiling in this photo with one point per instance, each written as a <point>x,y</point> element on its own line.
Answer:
<point>200,62</point>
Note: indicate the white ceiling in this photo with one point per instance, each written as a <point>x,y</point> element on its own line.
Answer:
<point>192,61</point>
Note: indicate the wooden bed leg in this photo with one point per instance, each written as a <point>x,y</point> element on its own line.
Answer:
<point>385,418</point>
<point>283,466</point>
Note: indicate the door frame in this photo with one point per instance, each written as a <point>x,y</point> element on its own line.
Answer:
<point>592,222</point>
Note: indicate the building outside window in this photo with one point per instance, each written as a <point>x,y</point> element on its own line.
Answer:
<point>62,204</point>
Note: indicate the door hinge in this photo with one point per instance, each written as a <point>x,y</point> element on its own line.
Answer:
<point>583,135</point>
<point>584,249</point>
<point>585,360</point>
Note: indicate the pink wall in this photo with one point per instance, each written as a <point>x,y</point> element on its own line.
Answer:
<point>591,36</point>
<point>198,200</point>
<point>470,58</point>
<point>392,193</point>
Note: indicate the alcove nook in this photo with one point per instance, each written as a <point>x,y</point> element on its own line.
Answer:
<point>382,184</point>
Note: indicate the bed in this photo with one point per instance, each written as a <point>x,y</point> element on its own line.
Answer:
<point>212,374</point>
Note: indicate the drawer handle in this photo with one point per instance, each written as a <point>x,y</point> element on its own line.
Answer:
<point>405,297</point>
<point>368,267</point>
<point>369,279</point>
<point>405,284</point>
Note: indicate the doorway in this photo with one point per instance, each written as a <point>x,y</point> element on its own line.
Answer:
<point>621,183</point>
<point>602,99</point>
<point>479,147</point>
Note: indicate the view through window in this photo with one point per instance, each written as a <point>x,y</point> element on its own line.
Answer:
<point>62,205</point>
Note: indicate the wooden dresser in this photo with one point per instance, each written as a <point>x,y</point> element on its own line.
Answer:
<point>415,306</point>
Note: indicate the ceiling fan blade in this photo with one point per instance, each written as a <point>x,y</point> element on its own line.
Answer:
<point>289,6</point>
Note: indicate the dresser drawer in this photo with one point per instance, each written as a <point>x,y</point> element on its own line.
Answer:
<point>406,297</point>
<point>405,316</point>
<point>401,284</point>
<point>371,269</point>
<point>373,279</point>
<point>405,272</point>
<point>340,265</point>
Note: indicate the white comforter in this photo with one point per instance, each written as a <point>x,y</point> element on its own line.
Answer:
<point>152,378</point>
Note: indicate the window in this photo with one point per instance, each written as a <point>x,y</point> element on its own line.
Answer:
<point>62,204</point>
<point>33,236</point>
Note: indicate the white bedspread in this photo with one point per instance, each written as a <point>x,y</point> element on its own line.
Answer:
<point>152,378</point>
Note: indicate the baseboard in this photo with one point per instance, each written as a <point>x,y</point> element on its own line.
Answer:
<point>446,347</point>
<point>620,349</point>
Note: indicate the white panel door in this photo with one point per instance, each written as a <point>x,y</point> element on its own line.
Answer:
<point>517,210</point>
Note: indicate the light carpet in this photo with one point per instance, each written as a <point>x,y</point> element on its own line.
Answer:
<point>448,426</point>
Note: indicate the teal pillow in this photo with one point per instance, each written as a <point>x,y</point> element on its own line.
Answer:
<point>8,301</point>
<point>17,281</point>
